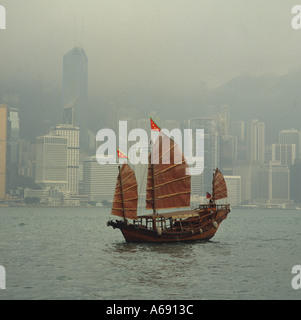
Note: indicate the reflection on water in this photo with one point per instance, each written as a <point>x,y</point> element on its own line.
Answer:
<point>175,249</point>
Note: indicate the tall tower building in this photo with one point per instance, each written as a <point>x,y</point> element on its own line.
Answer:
<point>99,180</point>
<point>51,161</point>
<point>291,136</point>
<point>75,91</point>
<point>273,184</point>
<point>234,189</point>
<point>295,182</point>
<point>256,142</point>
<point>13,117</point>
<point>3,149</point>
<point>285,153</point>
<point>203,183</point>
<point>71,132</point>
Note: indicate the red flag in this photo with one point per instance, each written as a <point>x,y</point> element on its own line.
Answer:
<point>154,126</point>
<point>121,154</point>
<point>208,195</point>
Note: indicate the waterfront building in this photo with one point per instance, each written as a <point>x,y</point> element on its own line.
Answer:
<point>295,182</point>
<point>273,183</point>
<point>99,180</point>
<point>75,92</point>
<point>51,161</point>
<point>256,142</point>
<point>3,149</point>
<point>285,153</point>
<point>234,190</point>
<point>291,136</point>
<point>71,132</point>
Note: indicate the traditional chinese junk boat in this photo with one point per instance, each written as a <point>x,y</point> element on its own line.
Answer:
<point>168,186</point>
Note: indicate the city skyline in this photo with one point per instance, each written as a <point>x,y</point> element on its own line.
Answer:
<point>242,99</point>
<point>279,156</point>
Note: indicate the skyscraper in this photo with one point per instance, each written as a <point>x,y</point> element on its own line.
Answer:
<point>256,142</point>
<point>13,115</point>
<point>273,183</point>
<point>72,133</point>
<point>234,189</point>
<point>3,149</point>
<point>75,91</point>
<point>51,161</point>
<point>291,136</point>
<point>211,161</point>
<point>99,180</point>
<point>285,153</point>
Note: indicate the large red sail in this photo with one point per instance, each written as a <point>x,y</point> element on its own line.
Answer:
<point>168,184</point>
<point>219,187</point>
<point>126,194</point>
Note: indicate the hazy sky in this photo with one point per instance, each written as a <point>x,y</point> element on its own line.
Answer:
<point>165,45</point>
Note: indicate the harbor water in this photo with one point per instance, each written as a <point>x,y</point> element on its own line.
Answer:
<point>70,253</point>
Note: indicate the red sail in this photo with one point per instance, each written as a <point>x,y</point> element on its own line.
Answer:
<point>126,194</point>
<point>219,187</point>
<point>168,184</point>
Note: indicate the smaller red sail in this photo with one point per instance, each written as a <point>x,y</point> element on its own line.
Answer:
<point>126,194</point>
<point>219,187</point>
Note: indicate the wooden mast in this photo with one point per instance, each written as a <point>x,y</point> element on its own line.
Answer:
<point>154,192</point>
<point>213,196</point>
<point>121,192</point>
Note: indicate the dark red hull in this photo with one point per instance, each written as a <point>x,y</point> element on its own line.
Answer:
<point>205,229</point>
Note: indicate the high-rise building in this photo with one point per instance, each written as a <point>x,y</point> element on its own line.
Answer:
<point>256,142</point>
<point>71,132</point>
<point>13,129</point>
<point>211,146</point>
<point>285,153</point>
<point>99,180</point>
<point>14,136</point>
<point>3,149</point>
<point>234,190</point>
<point>238,130</point>
<point>295,182</point>
<point>273,183</point>
<point>51,161</point>
<point>75,91</point>
<point>26,158</point>
<point>291,136</point>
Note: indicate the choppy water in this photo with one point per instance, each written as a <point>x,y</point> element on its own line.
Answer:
<point>70,253</point>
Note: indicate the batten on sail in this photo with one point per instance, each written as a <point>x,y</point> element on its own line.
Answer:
<point>126,194</point>
<point>219,187</point>
<point>168,185</point>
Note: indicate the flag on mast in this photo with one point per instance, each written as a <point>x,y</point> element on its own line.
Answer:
<point>154,127</point>
<point>121,154</point>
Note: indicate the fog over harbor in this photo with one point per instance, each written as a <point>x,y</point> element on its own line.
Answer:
<point>158,55</point>
<point>174,60</point>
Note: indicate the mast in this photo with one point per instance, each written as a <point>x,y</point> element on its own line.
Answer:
<point>153,186</point>
<point>121,192</point>
<point>213,195</point>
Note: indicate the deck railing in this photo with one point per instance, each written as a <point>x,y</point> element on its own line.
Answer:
<point>217,206</point>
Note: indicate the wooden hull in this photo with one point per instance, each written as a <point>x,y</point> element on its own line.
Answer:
<point>205,230</point>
